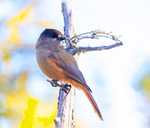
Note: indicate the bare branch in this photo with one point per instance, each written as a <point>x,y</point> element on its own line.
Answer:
<point>86,49</point>
<point>94,35</point>
<point>64,117</point>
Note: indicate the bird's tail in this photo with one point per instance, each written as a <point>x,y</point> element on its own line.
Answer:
<point>92,101</point>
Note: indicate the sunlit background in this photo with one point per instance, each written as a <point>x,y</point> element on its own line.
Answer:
<point>119,77</point>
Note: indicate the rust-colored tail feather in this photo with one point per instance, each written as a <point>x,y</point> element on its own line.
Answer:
<point>92,101</point>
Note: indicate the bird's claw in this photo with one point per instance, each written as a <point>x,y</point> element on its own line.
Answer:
<point>66,88</point>
<point>54,84</point>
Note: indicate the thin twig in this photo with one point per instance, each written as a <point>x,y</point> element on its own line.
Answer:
<point>86,49</point>
<point>71,44</point>
<point>94,35</point>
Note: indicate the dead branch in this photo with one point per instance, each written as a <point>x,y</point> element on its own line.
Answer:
<point>65,117</point>
<point>86,49</point>
<point>94,35</point>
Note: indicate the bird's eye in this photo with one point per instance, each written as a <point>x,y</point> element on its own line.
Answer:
<point>53,35</point>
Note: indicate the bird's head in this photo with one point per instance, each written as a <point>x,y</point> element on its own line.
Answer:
<point>53,34</point>
<point>50,36</point>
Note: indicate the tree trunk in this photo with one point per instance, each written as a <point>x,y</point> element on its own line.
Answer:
<point>64,117</point>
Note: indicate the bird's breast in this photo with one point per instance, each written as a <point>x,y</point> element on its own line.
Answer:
<point>49,66</point>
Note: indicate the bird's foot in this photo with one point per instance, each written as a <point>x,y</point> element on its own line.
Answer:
<point>55,84</point>
<point>68,88</point>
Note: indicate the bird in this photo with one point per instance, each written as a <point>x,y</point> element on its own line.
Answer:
<point>58,64</point>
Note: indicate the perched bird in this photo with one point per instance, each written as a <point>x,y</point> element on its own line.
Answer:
<point>58,64</point>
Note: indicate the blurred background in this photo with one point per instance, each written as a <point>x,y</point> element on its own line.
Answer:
<point>119,77</point>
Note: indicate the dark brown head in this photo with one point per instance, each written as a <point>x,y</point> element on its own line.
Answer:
<point>49,35</point>
<point>52,33</point>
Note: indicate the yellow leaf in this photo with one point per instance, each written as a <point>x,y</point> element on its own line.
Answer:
<point>13,24</point>
<point>45,114</point>
<point>5,52</point>
<point>45,24</point>
<point>28,121</point>
<point>39,125</point>
<point>23,16</point>
<point>14,36</point>
<point>19,96</point>
<point>146,83</point>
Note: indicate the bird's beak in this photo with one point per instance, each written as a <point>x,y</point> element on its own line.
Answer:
<point>61,38</point>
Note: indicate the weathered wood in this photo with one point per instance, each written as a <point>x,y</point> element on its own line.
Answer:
<point>64,117</point>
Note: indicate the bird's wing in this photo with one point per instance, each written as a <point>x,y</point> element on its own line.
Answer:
<point>66,61</point>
